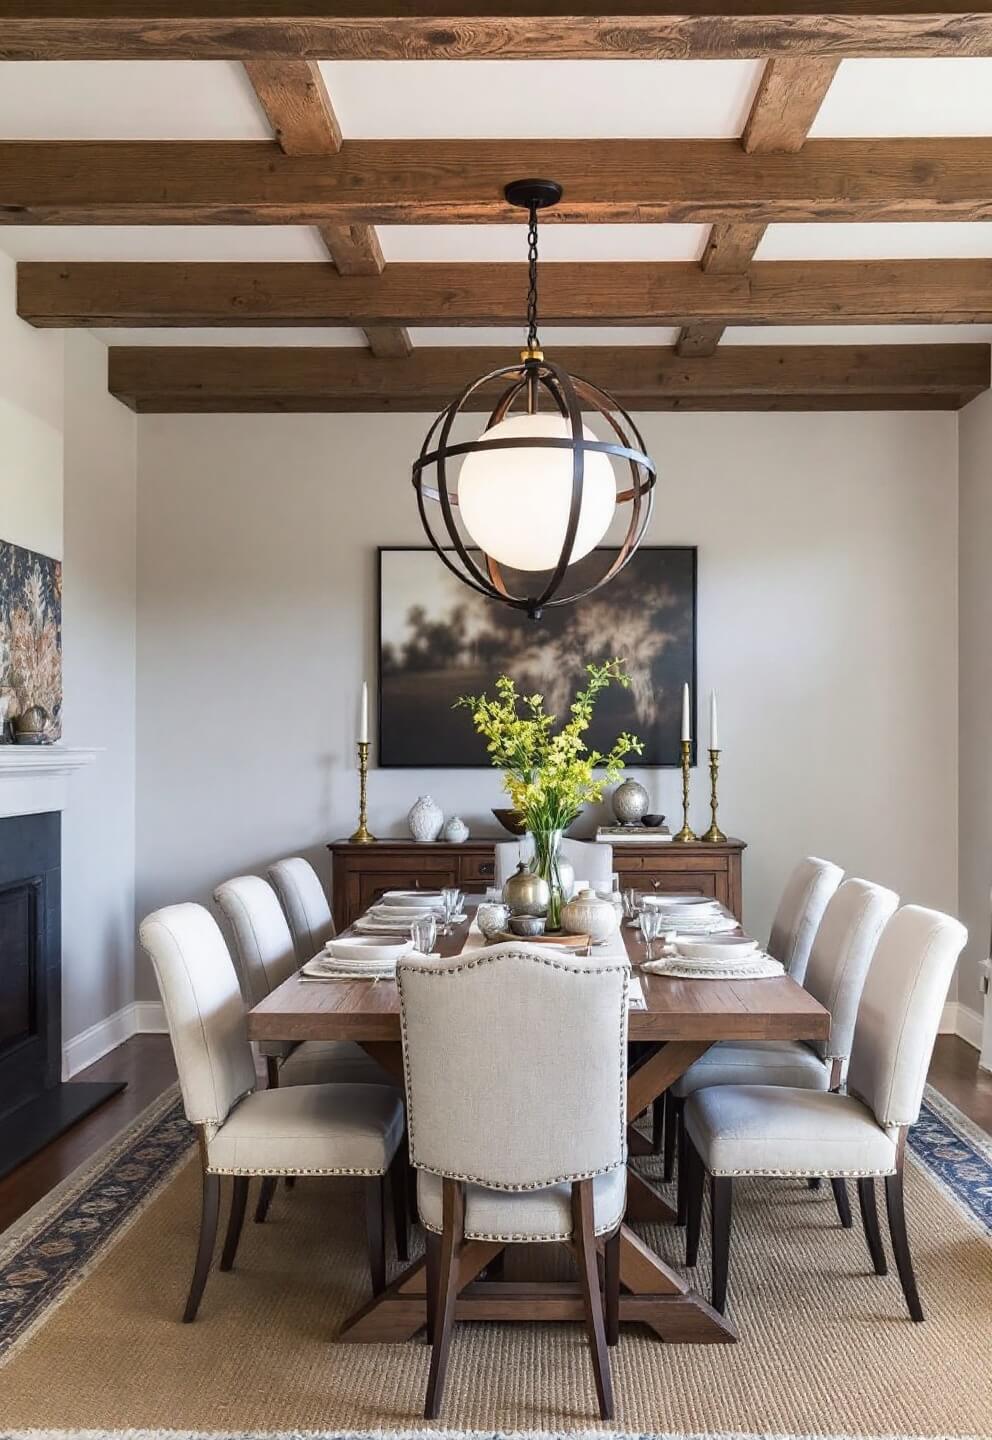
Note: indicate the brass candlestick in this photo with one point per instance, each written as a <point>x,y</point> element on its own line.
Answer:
<point>685,834</point>
<point>714,834</point>
<point>363,835</point>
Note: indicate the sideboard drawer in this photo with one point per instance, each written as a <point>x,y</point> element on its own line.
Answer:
<point>477,867</point>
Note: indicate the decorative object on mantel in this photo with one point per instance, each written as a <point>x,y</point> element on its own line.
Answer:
<point>686,834</point>
<point>363,835</point>
<point>438,640</point>
<point>33,726</point>
<point>31,636</point>
<point>630,802</point>
<point>455,831</point>
<point>550,776</point>
<point>538,490</point>
<point>425,820</point>
<point>587,914</point>
<point>511,820</point>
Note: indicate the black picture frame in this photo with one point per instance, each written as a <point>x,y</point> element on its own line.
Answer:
<point>403,746</point>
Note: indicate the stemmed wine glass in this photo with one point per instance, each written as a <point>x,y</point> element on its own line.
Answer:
<point>651,925</point>
<point>451,903</point>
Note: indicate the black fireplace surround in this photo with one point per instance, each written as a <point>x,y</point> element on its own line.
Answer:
<point>35,1106</point>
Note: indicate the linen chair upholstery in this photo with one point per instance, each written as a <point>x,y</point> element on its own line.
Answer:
<point>765,1130</point>
<point>266,957</point>
<point>591,860</point>
<point>807,892</point>
<point>302,898</point>
<point>521,1134</point>
<point>302,1130</point>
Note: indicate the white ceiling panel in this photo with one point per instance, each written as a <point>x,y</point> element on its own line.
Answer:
<point>952,239</point>
<point>856,334</point>
<point>512,338</point>
<point>561,99</point>
<point>231,335</point>
<point>128,100</point>
<point>907,97</point>
<point>162,242</point>
<point>452,243</point>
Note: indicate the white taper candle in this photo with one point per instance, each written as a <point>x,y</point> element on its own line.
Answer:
<point>363,722</point>
<point>686,732</point>
<point>714,732</point>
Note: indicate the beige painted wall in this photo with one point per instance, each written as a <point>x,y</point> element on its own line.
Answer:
<point>976,689</point>
<point>827,618</point>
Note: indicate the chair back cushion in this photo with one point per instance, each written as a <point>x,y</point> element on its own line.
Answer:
<point>800,910</point>
<point>302,898</point>
<point>204,1010</point>
<point>900,1012</point>
<point>262,943</point>
<point>516,1063</point>
<point>590,860</point>
<point>841,954</point>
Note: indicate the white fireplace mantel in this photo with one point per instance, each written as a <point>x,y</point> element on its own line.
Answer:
<point>34,778</point>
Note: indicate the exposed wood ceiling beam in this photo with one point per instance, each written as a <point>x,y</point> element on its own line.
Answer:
<point>294,97</point>
<point>301,29</point>
<point>372,182</point>
<point>770,293</point>
<point>789,95</point>
<point>763,377</point>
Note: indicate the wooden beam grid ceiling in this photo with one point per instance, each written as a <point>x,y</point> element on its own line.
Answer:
<point>308,174</point>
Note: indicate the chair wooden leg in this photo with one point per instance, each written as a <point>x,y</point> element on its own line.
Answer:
<point>611,1286</point>
<point>209,1211</point>
<point>453,1204</point>
<point>682,1147</point>
<point>900,1242</point>
<point>432,1268</point>
<point>842,1201</point>
<point>721,1204</point>
<point>657,1124</point>
<point>695,1180</point>
<point>239,1199</point>
<point>584,1239</point>
<point>671,1134</point>
<point>869,1219</point>
<point>375,1188</point>
<point>399,1185</point>
<point>265,1195</point>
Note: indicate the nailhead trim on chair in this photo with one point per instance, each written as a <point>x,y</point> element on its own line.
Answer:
<point>606,1229</point>
<point>552,965</point>
<point>287,1170</point>
<point>827,1174</point>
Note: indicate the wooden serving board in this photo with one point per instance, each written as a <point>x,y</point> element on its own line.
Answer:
<point>577,942</point>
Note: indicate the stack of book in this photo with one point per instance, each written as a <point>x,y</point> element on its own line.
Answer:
<point>640,834</point>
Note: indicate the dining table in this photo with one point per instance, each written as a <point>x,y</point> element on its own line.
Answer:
<point>679,1020</point>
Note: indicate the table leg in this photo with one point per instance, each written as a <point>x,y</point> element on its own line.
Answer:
<point>401,1310</point>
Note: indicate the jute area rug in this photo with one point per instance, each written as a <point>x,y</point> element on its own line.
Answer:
<point>93,1282</point>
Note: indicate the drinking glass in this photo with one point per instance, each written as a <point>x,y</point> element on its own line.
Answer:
<point>631,904</point>
<point>424,934</point>
<point>650,922</point>
<point>451,901</point>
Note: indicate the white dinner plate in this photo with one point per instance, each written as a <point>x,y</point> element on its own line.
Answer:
<point>367,950</point>
<point>417,899</point>
<point>730,949</point>
<point>695,904</point>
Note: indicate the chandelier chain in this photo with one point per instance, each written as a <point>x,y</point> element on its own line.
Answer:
<point>532,341</point>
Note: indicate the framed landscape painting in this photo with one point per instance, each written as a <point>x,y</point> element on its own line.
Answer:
<point>438,640</point>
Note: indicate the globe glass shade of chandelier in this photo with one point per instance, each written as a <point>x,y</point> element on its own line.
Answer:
<point>515,503</point>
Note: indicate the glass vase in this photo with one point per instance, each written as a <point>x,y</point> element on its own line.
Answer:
<point>545,863</point>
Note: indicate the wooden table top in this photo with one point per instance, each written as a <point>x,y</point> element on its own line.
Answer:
<point>776,1009</point>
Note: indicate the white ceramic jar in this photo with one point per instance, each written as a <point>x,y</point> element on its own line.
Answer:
<point>425,820</point>
<point>456,831</point>
<point>588,915</point>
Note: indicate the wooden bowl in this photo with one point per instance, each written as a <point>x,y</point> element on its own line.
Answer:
<point>511,820</point>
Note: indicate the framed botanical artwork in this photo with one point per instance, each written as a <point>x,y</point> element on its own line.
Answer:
<point>30,634</point>
<point>438,640</point>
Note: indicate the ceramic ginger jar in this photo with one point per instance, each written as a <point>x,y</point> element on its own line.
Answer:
<point>456,831</point>
<point>588,915</point>
<point>425,820</point>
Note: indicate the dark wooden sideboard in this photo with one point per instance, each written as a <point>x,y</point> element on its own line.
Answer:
<point>363,872</point>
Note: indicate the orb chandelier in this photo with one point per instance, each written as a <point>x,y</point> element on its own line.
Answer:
<point>538,489</point>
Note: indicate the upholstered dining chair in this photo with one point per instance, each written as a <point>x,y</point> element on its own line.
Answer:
<point>520,1135</point>
<point>332,1130</point>
<point>777,1130</point>
<point>841,952</point>
<point>266,956</point>
<point>807,893</point>
<point>591,860</point>
<point>304,904</point>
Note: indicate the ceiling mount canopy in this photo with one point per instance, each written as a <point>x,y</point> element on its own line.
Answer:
<point>538,490</point>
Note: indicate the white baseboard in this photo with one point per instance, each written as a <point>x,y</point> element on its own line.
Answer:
<point>141,1017</point>
<point>961,1020</point>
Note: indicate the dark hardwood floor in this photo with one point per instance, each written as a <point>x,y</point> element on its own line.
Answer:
<point>146,1064</point>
